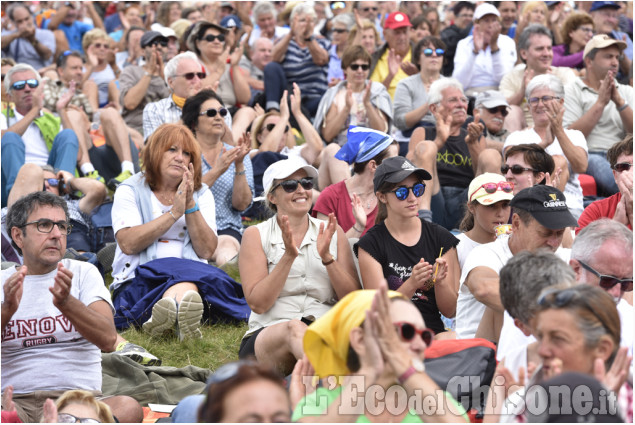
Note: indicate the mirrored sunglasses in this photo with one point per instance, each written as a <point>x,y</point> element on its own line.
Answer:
<point>402,192</point>
<point>507,187</point>
<point>20,85</point>
<point>429,52</point>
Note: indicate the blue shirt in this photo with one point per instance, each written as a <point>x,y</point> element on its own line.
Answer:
<point>74,33</point>
<point>335,65</point>
<point>299,67</point>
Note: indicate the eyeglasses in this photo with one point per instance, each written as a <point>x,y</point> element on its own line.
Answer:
<point>402,192</point>
<point>622,166</point>
<point>270,127</point>
<point>291,186</point>
<point>502,109</point>
<point>466,16</point>
<point>356,66</point>
<point>407,332</point>
<point>67,418</point>
<point>507,187</point>
<point>100,45</point>
<point>340,30</point>
<point>211,38</point>
<point>607,281</point>
<point>428,52</point>
<point>211,112</point>
<point>190,75</point>
<point>533,101</point>
<point>20,85</point>
<point>586,29</point>
<point>458,100</point>
<point>228,371</point>
<point>368,9</point>
<point>45,225</point>
<point>516,169</point>
<point>162,43</point>
<point>564,297</point>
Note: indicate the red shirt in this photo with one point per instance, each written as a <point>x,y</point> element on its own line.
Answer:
<point>604,208</point>
<point>336,199</point>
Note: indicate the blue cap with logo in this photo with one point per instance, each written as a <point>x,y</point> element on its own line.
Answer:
<point>597,5</point>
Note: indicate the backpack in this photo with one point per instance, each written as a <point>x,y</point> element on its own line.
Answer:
<point>101,231</point>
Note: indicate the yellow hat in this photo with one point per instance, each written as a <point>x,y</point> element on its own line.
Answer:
<point>326,340</point>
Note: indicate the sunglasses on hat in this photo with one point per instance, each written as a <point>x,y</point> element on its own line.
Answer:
<point>516,169</point>
<point>407,332</point>
<point>607,282</point>
<point>20,85</point>
<point>402,192</point>
<point>291,186</point>
<point>507,187</point>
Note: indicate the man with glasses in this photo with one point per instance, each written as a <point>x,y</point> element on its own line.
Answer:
<point>30,133</point>
<point>26,43</point>
<point>602,255</point>
<point>618,207</point>
<point>535,49</point>
<point>56,314</point>
<point>599,107</point>
<point>492,109</point>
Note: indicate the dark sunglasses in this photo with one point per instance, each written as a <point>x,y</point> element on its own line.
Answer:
<point>356,66</point>
<point>270,127</point>
<point>339,30</point>
<point>428,52</point>
<point>407,332</point>
<point>52,182</point>
<point>507,187</point>
<point>291,186</point>
<point>20,85</point>
<point>564,297</point>
<point>162,43</point>
<point>190,75</point>
<point>622,166</point>
<point>367,9</point>
<point>67,418</point>
<point>516,169</point>
<point>211,112</point>
<point>211,38</point>
<point>607,281</point>
<point>402,192</point>
<point>502,109</point>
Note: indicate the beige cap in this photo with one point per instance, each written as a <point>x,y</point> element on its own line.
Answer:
<point>602,41</point>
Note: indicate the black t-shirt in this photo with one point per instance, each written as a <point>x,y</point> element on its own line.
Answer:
<point>397,261</point>
<point>454,163</point>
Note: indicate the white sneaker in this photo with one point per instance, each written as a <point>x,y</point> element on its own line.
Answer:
<point>190,313</point>
<point>163,317</point>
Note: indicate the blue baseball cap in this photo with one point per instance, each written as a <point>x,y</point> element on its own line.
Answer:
<point>231,21</point>
<point>597,5</point>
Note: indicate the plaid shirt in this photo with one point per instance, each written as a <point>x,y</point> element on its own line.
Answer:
<point>53,90</point>
<point>157,113</point>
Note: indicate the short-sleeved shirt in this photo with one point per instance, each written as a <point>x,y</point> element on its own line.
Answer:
<point>381,72</point>
<point>74,33</point>
<point>299,67</point>
<point>35,149</point>
<point>22,51</point>
<point>397,261</point>
<point>41,348</point>
<point>336,199</point>
<point>454,162</point>
<point>335,65</point>
<point>54,89</point>
<point>157,90</point>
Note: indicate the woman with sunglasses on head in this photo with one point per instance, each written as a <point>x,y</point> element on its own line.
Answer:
<point>226,169</point>
<point>417,258</point>
<point>293,267</point>
<point>379,337</point>
<point>411,95</point>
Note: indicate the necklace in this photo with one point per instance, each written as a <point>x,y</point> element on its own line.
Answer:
<point>368,197</point>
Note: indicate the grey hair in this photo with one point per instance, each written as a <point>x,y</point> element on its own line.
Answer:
<point>303,9</point>
<point>169,70</point>
<point>19,212</point>
<point>590,239</point>
<point>523,40</point>
<point>526,275</point>
<point>18,68</point>
<point>435,95</point>
<point>346,19</point>
<point>262,8</point>
<point>14,6</point>
<point>545,81</point>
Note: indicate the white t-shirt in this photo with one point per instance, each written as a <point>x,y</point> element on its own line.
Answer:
<point>35,149</point>
<point>625,311</point>
<point>41,349</point>
<point>465,247</point>
<point>573,190</point>
<point>511,338</point>
<point>126,213</point>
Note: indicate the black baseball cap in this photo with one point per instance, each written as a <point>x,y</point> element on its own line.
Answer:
<point>547,205</point>
<point>148,37</point>
<point>395,169</point>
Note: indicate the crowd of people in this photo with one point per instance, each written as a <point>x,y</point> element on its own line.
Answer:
<point>389,177</point>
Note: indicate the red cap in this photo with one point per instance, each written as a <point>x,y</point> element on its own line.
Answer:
<point>397,20</point>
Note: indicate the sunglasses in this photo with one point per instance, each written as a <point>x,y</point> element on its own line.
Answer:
<point>338,5</point>
<point>507,187</point>
<point>228,371</point>
<point>622,166</point>
<point>270,127</point>
<point>429,52</point>
<point>516,169</point>
<point>356,66</point>
<point>211,112</point>
<point>407,332</point>
<point>45,225</point>
<point>20,85</point>
<point>339,30</point>
<point>607,281</point>
<point>291,186</point>
<point>190,75</point>
<point>533,101</point>
<point>402,192</point>
<point>564,297</point>
<point>162,43</point>
<point>211,38</point>
<point>502,109</point>
<point>67,418</point>
<point>52,182</point>
<point>367,9</point>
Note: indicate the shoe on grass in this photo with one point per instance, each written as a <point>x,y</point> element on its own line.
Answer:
<point>190,313</point>
<point>137,354</point>
<point>95,176</point>
<point>116,181</point>
<point>163,317</point>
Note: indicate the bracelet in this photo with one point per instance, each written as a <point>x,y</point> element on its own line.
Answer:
<point>331,261</point>
<point>170,211</point>
<point>407,374</point>
<point>193,209</point>
<point>624,106</point>
<point>495,51</point>
<point>241,173</point>
<point>357,230</point>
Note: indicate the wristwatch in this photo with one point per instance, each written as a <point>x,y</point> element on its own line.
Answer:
<point>307,40</point>
<point>416,366</point>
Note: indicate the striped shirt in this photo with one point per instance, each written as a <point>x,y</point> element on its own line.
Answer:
<point>299,68</point>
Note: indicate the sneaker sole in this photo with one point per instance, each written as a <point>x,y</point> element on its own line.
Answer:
<point>189,316</point>
<point>138,358</point>
<point>163,317</point>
